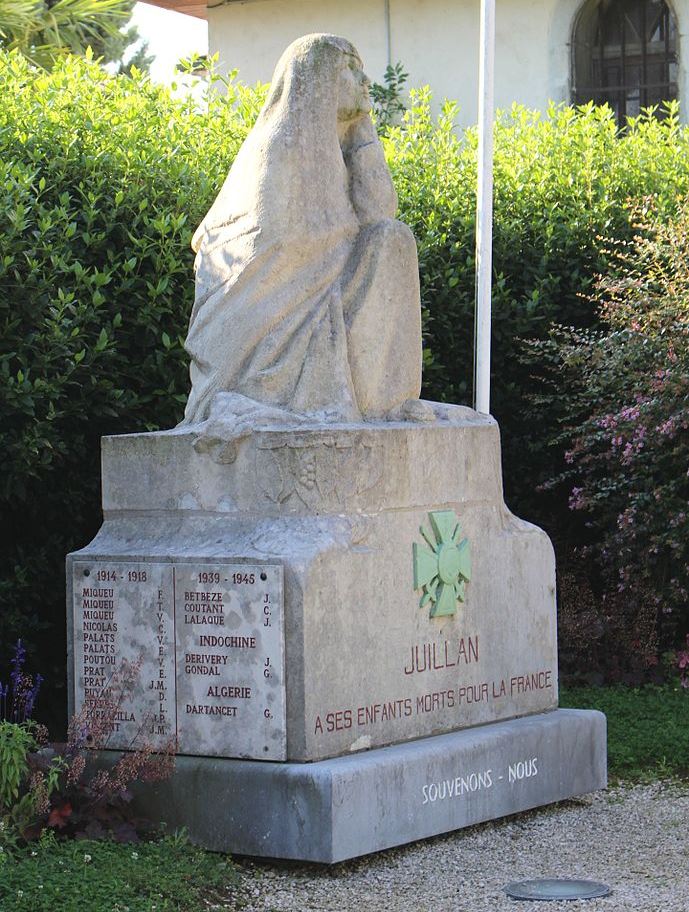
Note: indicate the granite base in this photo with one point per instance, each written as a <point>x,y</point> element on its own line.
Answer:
<point>341,512</point>
<point>337,809</point>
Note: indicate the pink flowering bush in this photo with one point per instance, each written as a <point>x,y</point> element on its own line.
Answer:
<point>682,660</point>
<point>626,429</point>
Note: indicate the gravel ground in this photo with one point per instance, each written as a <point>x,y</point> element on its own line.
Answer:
<point>631,838</point>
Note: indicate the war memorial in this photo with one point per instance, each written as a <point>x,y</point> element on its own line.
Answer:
<point>332,614</point>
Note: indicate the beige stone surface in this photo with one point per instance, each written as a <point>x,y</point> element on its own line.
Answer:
<point>203,648</point>
<point>307,288</point>
<point>305,444</point>
<point>340,506</point>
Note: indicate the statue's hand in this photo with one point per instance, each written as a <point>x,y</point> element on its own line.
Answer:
<point>360,132</point>
<point>370,185</point>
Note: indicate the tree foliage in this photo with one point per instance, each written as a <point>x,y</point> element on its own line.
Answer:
<point>45,30</point>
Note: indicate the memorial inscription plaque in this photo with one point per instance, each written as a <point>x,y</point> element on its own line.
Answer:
<point>203,643</point>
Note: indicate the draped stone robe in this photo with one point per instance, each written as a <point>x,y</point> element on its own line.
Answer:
<point>307,295</point>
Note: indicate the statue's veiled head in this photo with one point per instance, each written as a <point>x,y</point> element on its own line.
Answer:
<point>354,87</point>
<point>322,76</point>
<point>290,170</point>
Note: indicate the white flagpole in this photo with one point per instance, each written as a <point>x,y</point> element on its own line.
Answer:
<point>484,210</point>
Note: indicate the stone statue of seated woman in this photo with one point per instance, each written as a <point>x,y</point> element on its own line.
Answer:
<point>307,290</point>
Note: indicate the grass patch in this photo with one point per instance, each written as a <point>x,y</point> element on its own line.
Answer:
<point>169,875</point>
<point>648,738</point>
<point>648,728</point>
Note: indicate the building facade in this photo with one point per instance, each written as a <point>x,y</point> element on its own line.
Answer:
<point>625,52</point>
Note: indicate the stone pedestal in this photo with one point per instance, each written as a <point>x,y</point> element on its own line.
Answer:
<point>349,806</point>
<point>308,593</point>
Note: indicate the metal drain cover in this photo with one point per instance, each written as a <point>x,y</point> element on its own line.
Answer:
<point>556,889</point>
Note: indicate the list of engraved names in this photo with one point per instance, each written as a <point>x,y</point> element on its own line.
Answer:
<point>181,653</point>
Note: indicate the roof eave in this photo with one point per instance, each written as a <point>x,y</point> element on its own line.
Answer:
<point>196,8</point>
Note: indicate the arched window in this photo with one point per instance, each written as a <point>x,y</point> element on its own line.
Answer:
<point>625,54</point>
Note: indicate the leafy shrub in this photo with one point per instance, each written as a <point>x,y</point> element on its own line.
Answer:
<point>22,795</point>
<point>103,181</point>
<point>24,792</point>
<point>387,97</point>
<point>627,425</point>
<point>17,740</point>
<point>562,186</point>
<point>59,786</point>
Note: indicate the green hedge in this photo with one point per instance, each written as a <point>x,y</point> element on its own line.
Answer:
<point>104,180</point>
<point>563,183</point>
